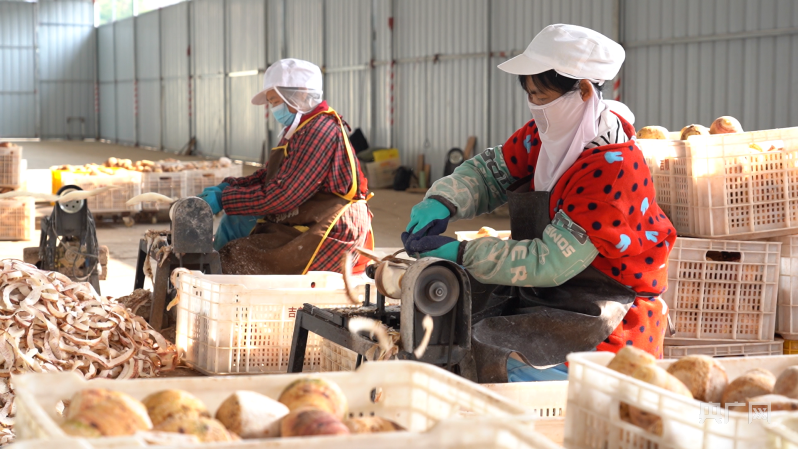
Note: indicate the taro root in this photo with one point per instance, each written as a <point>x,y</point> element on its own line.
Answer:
<point>170,403</point>
<point>205,429</point>
<point>693,130</point>
<point>725,125</point>
<point>251,415</point>
<point>317,393</point>
<point>309,421</point>
<point>372,424</point>
<point>703,375</point>
<point>653,132</point>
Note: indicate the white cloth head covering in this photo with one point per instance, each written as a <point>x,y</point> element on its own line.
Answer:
<point>298,83</point>
<point>567,124</point>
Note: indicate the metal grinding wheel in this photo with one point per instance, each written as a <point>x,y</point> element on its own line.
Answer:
<point>436,290</point>
<point>70,207</point>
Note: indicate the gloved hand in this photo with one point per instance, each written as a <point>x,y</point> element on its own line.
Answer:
<point>425,213</point>
<point>447,251</point>
<point>431,246</point>
<point>223,186</point>
<point>212,196</point>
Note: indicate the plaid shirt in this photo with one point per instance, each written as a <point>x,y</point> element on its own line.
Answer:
<point>317,161</point>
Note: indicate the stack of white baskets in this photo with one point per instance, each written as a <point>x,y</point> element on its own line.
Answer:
<point>17,215</point>
<point>732,287</point>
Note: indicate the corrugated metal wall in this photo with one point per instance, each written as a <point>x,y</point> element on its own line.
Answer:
<point>18,112</point>
<point>175,50</point>
<point>148,79</point>
<point>724,57</point>
<point>209,76</point>
<point>67,55</point>
<point>125,70</point>
<point>246,52</point>
<point>107,81</point>
<point>441,77</point>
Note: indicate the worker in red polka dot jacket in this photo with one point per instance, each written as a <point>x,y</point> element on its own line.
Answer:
<point>587,261</point>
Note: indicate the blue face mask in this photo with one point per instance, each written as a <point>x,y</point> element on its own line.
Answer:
<point>283,115</point>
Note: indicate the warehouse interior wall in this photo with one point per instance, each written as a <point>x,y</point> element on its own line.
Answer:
<point>418,75</point>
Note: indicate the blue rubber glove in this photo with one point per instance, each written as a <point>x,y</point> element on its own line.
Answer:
<point>223,186</point>
<point>431,245</point>
<point>447,251</point>
<point>425,212</point>
<point>212,196</point>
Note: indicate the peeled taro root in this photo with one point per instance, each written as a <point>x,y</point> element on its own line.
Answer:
<point>725,125</point>
<point>653,132</point>
<point>309,421</point>
<point>629,358</point>
<point>694,130</point>
<point>251,415</point>
<point>169,403</point>
<point>205,429</point>
<point>78,428</point>
<point>703,375</point>
<point>657,376</point>
<point>317,393</point>
<point>372,424</point>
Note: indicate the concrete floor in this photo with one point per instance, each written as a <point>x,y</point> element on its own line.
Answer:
<point>391,209</point>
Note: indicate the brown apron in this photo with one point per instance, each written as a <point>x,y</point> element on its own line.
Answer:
<point>289,245</point>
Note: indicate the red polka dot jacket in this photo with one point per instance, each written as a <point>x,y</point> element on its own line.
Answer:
<point>609,193</point>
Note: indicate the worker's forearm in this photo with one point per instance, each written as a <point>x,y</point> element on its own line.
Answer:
<point>476,187</point>
<point>563,252</point>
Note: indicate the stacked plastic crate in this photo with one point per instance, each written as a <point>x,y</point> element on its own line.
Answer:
<point>17,215</point>
<point>733,199</point>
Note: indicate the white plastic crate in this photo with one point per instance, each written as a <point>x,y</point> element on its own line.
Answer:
<point>11,167</point>
<point>787,316</point>
<point>17,219</point>
<point>415,395</point>
<point>783,432</point>
<point>112,201</point>
<point>543,399</point>
<point>335,357</point>
<point>723,300</point>
<point>245,324</point>
<point>595,393</point>
<point>492,433</point>
<point>741,349</point>
<point>173,185</point>
<point>198,180</point>
<point>546,400</point>
<point>718,186</point>
<point>235,170</point>
<point>465,236</point>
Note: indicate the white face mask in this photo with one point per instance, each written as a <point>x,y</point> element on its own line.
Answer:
<point>565,125</point>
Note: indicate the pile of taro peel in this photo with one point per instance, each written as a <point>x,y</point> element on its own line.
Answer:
<point>50,323</point>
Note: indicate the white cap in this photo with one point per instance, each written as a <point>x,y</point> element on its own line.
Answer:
<point>290,73</point>
<point>572,51</point>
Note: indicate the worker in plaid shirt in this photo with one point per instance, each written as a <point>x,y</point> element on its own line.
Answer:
<point>306,209</point>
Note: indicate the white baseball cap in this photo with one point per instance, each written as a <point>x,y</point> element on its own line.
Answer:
<point>572,51</point>
<point>292,74</point>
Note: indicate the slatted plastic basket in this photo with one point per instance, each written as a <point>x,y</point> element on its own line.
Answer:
<point>17,219</point>
<point>720,187</point>
<point>335,357</point>
<point>495,433</point>
<point>111,201</point>
<point>741,349</point>
<point>416,395</point>
<point>173,185</point>
<point>11,167</point>
<point>787,323</point>
<point>595,393</point>
<point>732,299</point>
<point>245,324</point>
<point>198,180</point>
<point>783,432</point>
